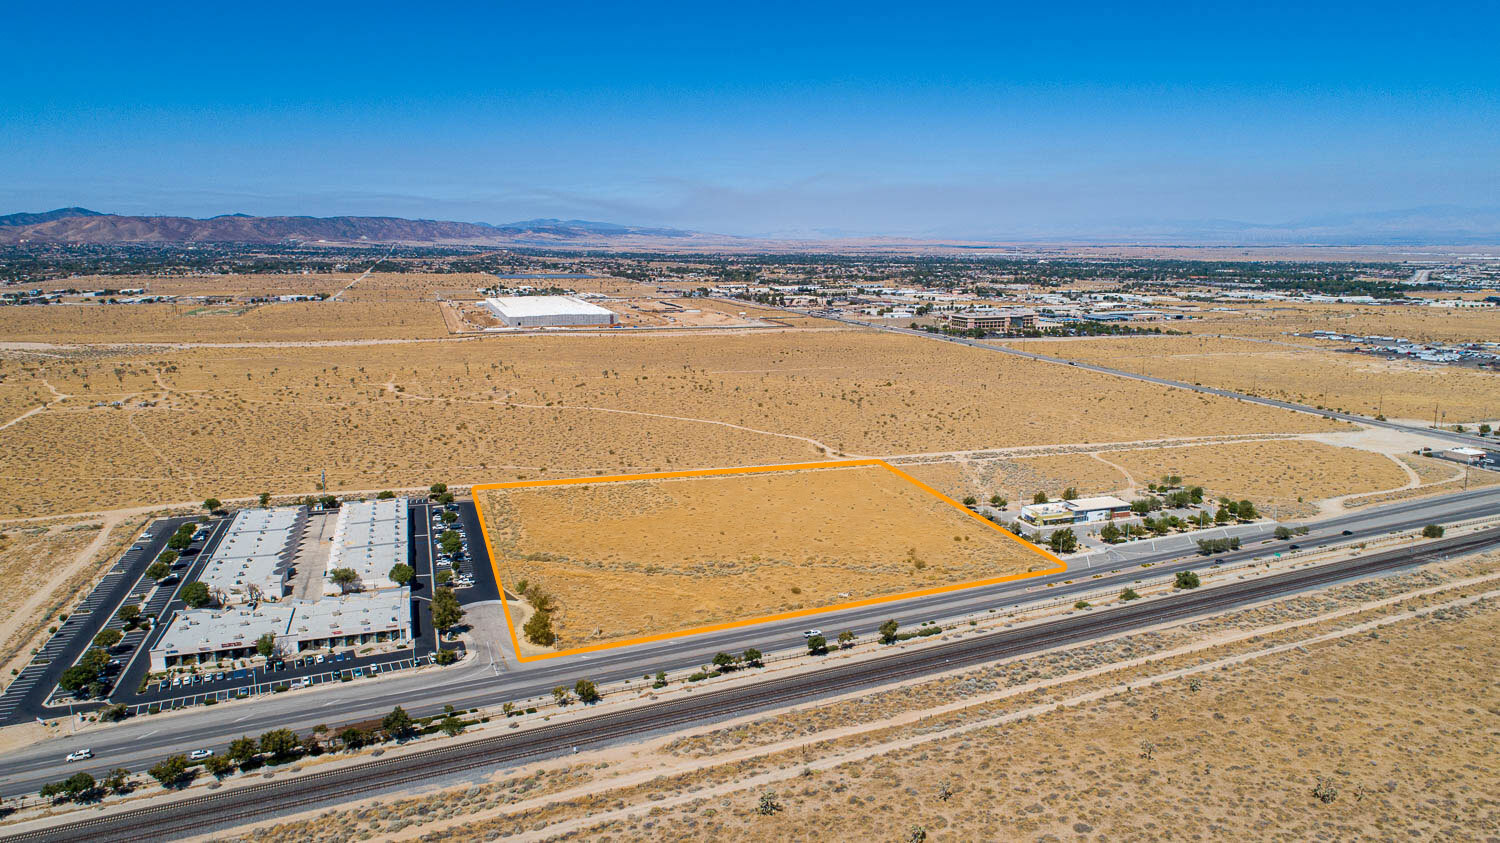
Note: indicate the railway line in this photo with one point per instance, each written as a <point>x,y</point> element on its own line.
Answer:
<point>255,802</point>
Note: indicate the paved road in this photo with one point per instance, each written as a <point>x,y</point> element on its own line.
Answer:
<point>249,800</point>
<point>141,742</point>
<point>1446,435</point>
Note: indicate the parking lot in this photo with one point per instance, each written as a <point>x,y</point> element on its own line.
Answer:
<point>26,696</point>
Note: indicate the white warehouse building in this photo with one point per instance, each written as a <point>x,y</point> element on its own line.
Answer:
<point>548,311</point>
<point>369,537</point>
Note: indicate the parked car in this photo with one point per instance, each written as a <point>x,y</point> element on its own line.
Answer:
<point>80,755</point>
<point>199,754</point>
<point>319,659</point>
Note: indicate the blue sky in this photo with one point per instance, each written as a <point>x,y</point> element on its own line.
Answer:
<point>922,119</point>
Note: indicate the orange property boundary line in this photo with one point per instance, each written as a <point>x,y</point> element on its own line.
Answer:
<point>1059,565</point>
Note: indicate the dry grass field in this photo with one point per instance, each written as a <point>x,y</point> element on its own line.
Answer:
<point>1419,323</point>
<point>1287,474</point>
<point>1354,383</point>
<point>631,558</point>
<point>232,422</point>
<point>193,323</point>
<point>1379,736</point>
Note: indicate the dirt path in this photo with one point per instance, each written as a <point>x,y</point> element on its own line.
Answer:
<point>29,609</point>
<point>58,397</point>
<point>826,449</point>
<point>1130,484</point>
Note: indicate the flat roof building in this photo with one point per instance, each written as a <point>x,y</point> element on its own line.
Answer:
<point>1080,511</point>
<point>370,538</point>
<point>251,561</point>
<point>1007,320</point>
<point>207,635</point>
<point>548,311</point>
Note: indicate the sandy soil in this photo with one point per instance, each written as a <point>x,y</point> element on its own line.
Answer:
<point>1349,382</point>
<point>636,558</point>
<point>232,422</point>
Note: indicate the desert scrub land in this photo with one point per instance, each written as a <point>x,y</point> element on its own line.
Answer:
<point>1378,736</point>
<point>638,557</point>
<point>1417,323</point>
<point>1356,383</point>
<point>166,424</point>
<point>34,560</point>
<point>195,323</point>
<point>1286,474</point>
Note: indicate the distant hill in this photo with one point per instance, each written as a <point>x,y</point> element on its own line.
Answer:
<point>77,225</point>
<point>46,216</point>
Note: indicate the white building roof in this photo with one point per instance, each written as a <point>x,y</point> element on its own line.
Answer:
<point>517,307</point>
<point>1101,502</point>
<point>195,631</point>
<point>255,553</point>
<point>369,537</point>
<point>1467,452</point>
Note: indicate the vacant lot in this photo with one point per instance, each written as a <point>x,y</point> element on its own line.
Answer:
<point>1286,474</point>
<point>1419,323</point>
<point>193,323</point>
<point>632,558</point>
<point>232,422</point>
<point>1351,382</point>
<point>35,562</point>
<point>1379,736</point>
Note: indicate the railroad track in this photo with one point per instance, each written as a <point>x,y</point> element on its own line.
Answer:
<point>256,802</point>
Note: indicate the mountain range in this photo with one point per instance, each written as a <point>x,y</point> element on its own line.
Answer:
<point>1443,225</point>
<point>80,225</point>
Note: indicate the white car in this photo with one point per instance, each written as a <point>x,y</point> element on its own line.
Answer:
<point>811,632</point>
<point>199,754</point>
<point>80,755</point>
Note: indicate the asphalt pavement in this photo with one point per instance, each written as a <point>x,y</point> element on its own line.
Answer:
<point>139,742</point>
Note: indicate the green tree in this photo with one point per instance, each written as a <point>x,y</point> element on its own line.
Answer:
<point>265,499</point>
<point>117,780</point>
<point>108,638</point>
<point>1070,494</point>
<point>352,738</point>
<point>888,631</point>
<point>213,505</point>
<point>561,695</point>
<point>451,726</point>
<point>1186,579</point>
<point>1129,594</point>
<point>586,691</point>
<point>1432,531</point>
<point>171,771</point>
<point>971,501</point>
<point>998,502</point>
<point>446,613</point>
<point>76,678</point>
<point>167,556</point>
<point>128,613</point>
<point>1282,533</point>
<point>817,645</point>
<point>195,594</point>
<point>752,658</point>
<point>218,766</point>
<point>158,571</point>
<point>449,516</point>
<point>344,578</point>
<point>846,639</point>
<point>242,750</point>
<point>1246,511</point>
<point>401,573</point>
<point>266,644</point>
<point>397,724</point>
<point>1110,533</point>
<point>1484,430</point>
<point>385,496</point>
<point>723,661</point>
<point>1223,516</point>
<point>451,542</point>
<point>279,743</point>
<point>1063,541</point>
<point>1039,497</point>
<point>438,489</point>
<point>538,628</point>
